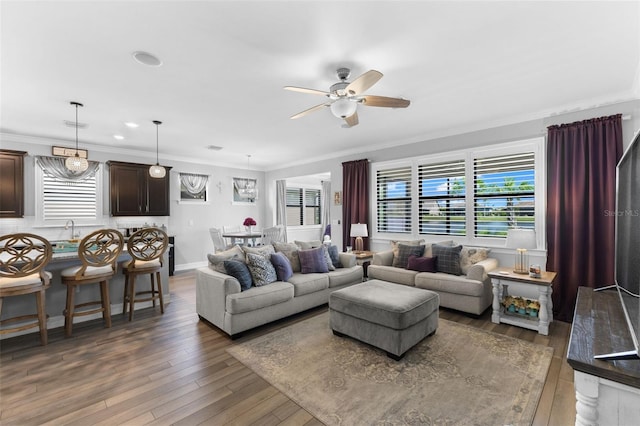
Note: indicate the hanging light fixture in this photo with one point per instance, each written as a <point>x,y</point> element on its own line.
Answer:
<point>76,163</point>
<point>247,188</point>
<point>157,171</point>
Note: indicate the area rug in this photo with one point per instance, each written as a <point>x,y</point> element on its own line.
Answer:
<point>459,376</point>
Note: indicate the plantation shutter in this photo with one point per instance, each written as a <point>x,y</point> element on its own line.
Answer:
<point>393,198</point>
<point>442,207</point>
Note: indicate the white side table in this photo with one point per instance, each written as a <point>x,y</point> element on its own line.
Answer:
<point>506,282</point>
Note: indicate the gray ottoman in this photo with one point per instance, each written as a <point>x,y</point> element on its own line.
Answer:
<point>389,316</point>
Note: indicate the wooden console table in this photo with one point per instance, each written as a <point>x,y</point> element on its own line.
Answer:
<point>523,285</point>
<point>607,392</point>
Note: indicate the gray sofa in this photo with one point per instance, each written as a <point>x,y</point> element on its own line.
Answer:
<point>220,301</point>
<point>471,293</point>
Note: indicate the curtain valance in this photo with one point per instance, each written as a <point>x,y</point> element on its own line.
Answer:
<point>194,183</point>
<point>54,167</point>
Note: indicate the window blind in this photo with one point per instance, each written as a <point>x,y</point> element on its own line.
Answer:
<point>69,199</point>
<point>442,207</point>
<point>393,198</point>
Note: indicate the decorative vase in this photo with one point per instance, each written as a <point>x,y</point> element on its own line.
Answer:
<point>248,228</point>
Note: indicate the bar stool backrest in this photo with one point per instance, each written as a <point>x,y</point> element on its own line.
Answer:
<point>100,248</point>
<point>23,254</point>
<point>147,244</point>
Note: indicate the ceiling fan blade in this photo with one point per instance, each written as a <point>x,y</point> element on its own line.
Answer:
<point>310,110</point>
<point>305,90</point>
<point>383,101</point>
<point>352,120</point>
<point>363,82</point>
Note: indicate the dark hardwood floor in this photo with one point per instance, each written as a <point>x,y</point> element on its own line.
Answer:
<point>174,369</point>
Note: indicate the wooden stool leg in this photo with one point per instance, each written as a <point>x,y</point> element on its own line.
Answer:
<point>106,304</point>
<point>42,317</point>
<point>68,312</point>
<point>160,292</point>
<point>132,295</point>
<point>153,290</point>
<point>125,294</point>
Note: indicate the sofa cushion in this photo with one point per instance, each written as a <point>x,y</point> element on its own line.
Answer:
<point>291,251</point>
<point>448,258</point>
<point>404,251</point>
<point>312,261</point>
<point>217,259</point>
<point>471,255</point>
<point>240,272</point>
<point>308,283</point>
<point>422,264</point>
<point>262,271</point>
<point>282,266</point>
<point>394,275</point>
<point>335,256</point>
<point>342,276</point>
<point>264,251</point>
<point>448,283</point>
<point>259,297</point>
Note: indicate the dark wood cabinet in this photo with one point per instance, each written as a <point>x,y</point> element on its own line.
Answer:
<point>11,183</point>
<point>134,193</point>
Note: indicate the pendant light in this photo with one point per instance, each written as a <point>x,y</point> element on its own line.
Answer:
<point>76,163</point>
<point>157,171</point>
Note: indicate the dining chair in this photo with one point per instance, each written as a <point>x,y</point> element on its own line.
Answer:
<point>146,248</point>
<point>218,241</point>
<point>98,253</point>
<point>272,235</point>
<point>23,257</point>
<point>232,229</point>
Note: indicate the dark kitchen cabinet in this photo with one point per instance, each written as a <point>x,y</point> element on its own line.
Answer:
<point>11,183</point>
<point>134,193</point>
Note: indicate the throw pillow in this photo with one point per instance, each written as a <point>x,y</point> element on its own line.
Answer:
<point>282,266</point>
<point>335,257</point>
<point>312,260</point>
<point>291,251</point>
<point>217,259</point>
<point>448,258</point>
<point>262,271</point>
<point>394,246</point>
<point>404,251</point>
<point>429,253</point>
<point>469,256</point>
<point>422,264</point>
<point>264,251</point>
<point>240,272</point>
<point>327,258</point>
<point>306,245</point>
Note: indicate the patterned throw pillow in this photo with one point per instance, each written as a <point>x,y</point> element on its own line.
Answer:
<point>312,260</point>
<point>264,251</point>
<point>404,251</point>
<point>217,259</point>
<point>448,258</point>
<point>291,251</point>
<point>262,271</point>
<point>282,266</point>
<point>395,248</point>
<point>429,253</point>
<point>240,272</point>
<point>327,258</point>
<point>422,264</point>
<point>469,256</point>
<point>335,257</point>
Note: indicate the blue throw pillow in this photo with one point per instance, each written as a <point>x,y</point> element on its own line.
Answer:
<point>335,257</point>
<point>313,260</point>
<point>240,272</point>
<point>281,263</point>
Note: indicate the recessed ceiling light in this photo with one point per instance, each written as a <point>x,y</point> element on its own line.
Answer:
<point>131,124</point>
<point>118,137</point>
<point>214,147</point>
<point>146,58</point>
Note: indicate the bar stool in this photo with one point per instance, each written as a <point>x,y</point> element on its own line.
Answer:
<point>146,247</point>
<point>98,253</point>
<point>22,260</point>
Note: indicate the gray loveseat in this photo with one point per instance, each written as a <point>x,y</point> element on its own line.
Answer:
<point>220,301</point>
<point>470,292</point>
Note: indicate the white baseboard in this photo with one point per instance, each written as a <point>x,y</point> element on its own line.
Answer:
<point>189,266</point>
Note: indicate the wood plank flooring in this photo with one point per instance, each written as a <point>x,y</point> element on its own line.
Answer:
<point>174,369</point>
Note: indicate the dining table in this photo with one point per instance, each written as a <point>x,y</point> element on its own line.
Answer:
<point>245,236</point>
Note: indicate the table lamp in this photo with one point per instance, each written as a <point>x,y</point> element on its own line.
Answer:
<point>359,230</point>
<point>521,240</point>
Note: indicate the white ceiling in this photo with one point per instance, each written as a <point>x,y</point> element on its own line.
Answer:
<point>463,65</point>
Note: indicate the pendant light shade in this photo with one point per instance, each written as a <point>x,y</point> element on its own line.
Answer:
<point>76,163</point>
<point>157,171</point>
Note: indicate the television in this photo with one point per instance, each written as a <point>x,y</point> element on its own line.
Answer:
<point>627,245</point>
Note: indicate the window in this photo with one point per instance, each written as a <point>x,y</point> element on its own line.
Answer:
<point>194,188</point>
<point>303,206</point>
<point>61,200</point>
<point>431,195</point>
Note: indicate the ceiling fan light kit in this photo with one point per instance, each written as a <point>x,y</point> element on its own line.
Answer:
<point>345,97</point>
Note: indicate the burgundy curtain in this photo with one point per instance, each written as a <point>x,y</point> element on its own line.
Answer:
<point>581,188</point>
<point>355,199</point>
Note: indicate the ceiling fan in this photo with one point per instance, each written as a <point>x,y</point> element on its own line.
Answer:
<point>344,97</point>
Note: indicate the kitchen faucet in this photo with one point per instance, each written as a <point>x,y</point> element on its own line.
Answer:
<point>73,228</point>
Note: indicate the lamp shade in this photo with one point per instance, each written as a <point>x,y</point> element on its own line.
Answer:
<point>359,230</point>
<point>519,238</point>
<point>343,108</point>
